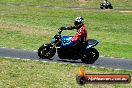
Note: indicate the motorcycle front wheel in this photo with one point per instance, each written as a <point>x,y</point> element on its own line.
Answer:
<point>90,56</point>
<point>101,7</point>
<point>46,52</point>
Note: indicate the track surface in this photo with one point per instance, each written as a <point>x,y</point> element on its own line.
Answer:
<point>46,6</point>
<point>101,62</point>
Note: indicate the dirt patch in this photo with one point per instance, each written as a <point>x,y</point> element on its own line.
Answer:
<point>126,11</point>
<point>25,29</point>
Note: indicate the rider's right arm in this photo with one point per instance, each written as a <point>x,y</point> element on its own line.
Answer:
<point>69,28</point>
<point>73,27</point>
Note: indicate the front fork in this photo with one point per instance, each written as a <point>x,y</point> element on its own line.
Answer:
<point>51,48</point>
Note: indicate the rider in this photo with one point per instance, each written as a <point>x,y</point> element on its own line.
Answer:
<point>105,2</point>
<point>81,33</point>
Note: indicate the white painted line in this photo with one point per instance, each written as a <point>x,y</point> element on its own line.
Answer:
<point>53,62</point>
<point>17,58</point>
<point>101,56</point>
<point>73,64</point>
<point>35,50</point>
<point>62,63</point>
<point>102,67</point>
<point>7,57</point>
<point>117,69</point>
<point>129,11</point>
<point>83,65</point>
<point>93,66</point>
<point>44,61</point>
<point>26,59</point>
<point>36,60</point>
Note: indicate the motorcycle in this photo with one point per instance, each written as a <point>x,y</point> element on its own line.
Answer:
<point>82,50</point>
<point>106,5</point>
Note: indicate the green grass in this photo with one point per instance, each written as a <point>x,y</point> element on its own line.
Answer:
<point>30,27</point>
<point>36,74</point>
<point>72,3</point>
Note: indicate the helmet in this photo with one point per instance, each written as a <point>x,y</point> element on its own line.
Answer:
<point>78,21</point>
<point>104,1</point>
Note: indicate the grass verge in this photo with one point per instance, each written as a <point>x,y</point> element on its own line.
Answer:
<point>37,74</point>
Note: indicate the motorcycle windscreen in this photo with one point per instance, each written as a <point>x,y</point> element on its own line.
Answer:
<point>91,43</point>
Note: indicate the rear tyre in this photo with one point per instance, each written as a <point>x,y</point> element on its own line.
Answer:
<point>45,52</point>
<point>90,56</point>
<point>111,7</point>
<point>106,7</point>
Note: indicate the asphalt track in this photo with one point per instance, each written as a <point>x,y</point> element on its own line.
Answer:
<point>70,7</point>
<point>114,63</point>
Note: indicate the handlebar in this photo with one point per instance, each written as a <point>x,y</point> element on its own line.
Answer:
<point>61,29</point>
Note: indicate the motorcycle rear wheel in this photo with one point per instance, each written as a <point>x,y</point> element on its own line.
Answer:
<point>111,7</point>
<point>43,52</point>
<point>90,56</point>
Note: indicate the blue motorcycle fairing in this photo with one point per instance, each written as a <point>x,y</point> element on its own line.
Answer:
<point>65,41</point>
<point>91,43</point>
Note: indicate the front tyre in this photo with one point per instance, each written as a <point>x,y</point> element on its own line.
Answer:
<point>101,7</point>
<point>46,52</point>
<point>90,56</point>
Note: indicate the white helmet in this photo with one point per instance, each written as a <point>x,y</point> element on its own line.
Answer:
<point>78,21</point>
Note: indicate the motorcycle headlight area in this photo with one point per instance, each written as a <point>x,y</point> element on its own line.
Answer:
<point>53,40</point>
